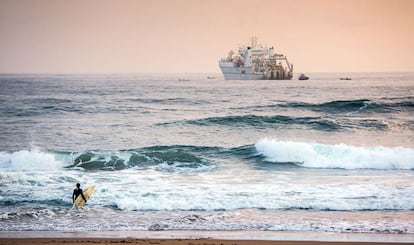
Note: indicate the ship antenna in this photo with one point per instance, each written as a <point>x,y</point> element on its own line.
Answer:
<point>254,41</point>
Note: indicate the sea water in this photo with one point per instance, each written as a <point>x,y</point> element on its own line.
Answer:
<point>207,154</point>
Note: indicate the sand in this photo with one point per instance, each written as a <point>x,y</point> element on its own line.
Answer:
<point>200,238</point>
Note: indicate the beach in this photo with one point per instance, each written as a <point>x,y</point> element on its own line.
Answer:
<point>202,238</point>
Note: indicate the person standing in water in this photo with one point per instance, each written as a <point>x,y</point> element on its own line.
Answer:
<point>76,192</point>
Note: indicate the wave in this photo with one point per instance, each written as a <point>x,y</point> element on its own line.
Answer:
<point>169,158</point>
<point>361,105</point>
<point>337,106</point>
<point>385,105</point>
<point>265,121</point>
<point>38,107</point>
<point>324,123</point>
<point>29,160</point>
<point>227,185</point>
<point>52,105</point>
<point>162,158</point>
<point>169,101</point>
<point>285,154</point>
<point>339,156</point>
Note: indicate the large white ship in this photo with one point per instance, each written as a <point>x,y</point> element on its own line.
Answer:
<point>256,62</point>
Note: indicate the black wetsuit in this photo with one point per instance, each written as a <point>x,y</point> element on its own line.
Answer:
<point>76,193</point>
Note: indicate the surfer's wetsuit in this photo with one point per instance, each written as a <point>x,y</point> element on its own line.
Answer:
<point>76,193</point>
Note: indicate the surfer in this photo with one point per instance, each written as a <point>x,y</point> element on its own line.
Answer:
<point>76,192</point>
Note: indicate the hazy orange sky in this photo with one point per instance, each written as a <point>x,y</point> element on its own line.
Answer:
<point>162,36</point>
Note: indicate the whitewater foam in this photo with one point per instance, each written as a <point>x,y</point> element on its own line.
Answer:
<point>29,160</point>
<point>316,155</point>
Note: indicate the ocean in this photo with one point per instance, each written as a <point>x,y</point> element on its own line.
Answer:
<point>195,153</point>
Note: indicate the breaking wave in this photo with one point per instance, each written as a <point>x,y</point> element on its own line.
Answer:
<point>340,156</point>
<point>198,158</point>
<point>163,158</point>
<point>29,160</point>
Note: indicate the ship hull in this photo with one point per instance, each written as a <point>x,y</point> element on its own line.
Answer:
<point>240,73</point>
<point>231,72</point>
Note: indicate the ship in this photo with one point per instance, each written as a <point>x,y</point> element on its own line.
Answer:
<point>256,62</point>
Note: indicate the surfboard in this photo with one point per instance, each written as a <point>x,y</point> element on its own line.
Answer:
<point>87,194</point>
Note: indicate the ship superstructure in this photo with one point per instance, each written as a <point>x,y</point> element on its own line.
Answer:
<point>256,62</point>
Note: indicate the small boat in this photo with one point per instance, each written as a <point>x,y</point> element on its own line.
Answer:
<point>345,78</point>
<point>303,77</point>
<point>183,79</point>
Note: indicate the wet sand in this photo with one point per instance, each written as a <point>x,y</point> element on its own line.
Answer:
<point>200,238</point>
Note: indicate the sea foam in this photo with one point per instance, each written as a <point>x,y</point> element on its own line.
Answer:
<point>342,156</point>
<point>29,160</point>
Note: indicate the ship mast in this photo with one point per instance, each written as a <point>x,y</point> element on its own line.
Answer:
<point>253,41</point>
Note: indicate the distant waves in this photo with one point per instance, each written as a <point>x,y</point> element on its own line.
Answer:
<point>344,115</point>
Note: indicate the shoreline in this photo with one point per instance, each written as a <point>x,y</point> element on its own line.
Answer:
<point>184,237</point>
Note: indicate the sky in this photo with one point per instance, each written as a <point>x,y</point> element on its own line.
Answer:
<point>190,36</point>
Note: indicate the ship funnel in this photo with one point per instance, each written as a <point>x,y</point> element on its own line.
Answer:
<point>230,55</point>
<point>271,52</point>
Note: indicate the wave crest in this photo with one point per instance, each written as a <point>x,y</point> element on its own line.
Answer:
<point>29,160</point>
<point>163,158</point>
<point>265,121</point>
<point>360,105</point>
<point>342,156</point>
